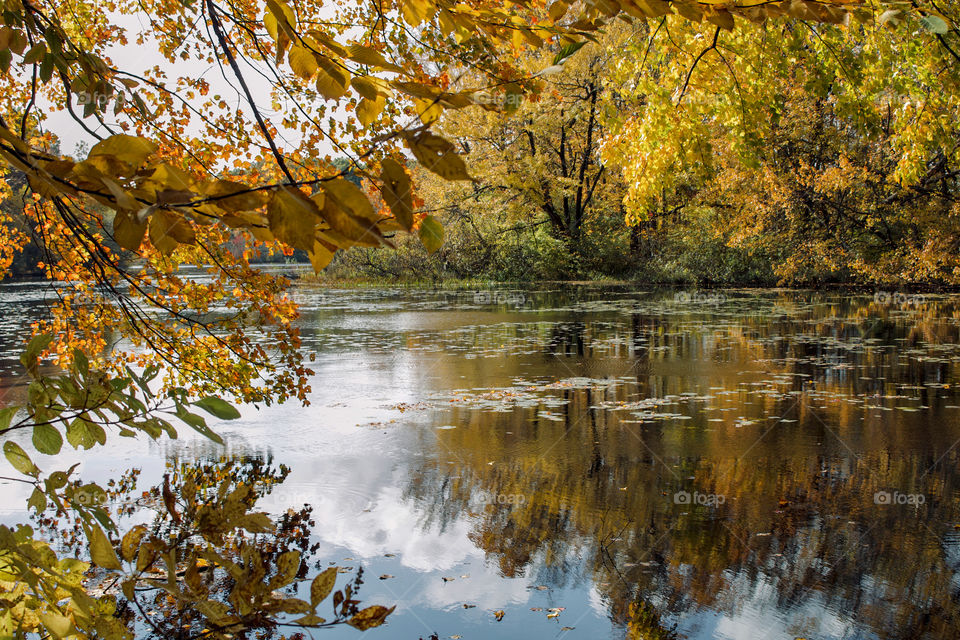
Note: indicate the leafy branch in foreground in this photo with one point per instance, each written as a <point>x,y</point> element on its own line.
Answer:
<point>205,566</point>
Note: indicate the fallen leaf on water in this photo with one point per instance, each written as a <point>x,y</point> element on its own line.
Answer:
<point>536,608</point>
<point>567,628</point>
<point>468,606</point>
<point>386,576</point>
<point>446,579</point>
<point>499,614</point>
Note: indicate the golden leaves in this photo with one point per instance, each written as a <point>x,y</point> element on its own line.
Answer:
<point>321,255</point>
<point>101,551</point>
<point>234,196</point>
<point>292,218</point>
<point>303,62</point>
<point>416,11</point>
<point>396,191</point>
<point>132,150</point>
<point>369,56</point>
<point>368,110</point>
<point>370,617</point>
<point>333,80</point>
<point>128,231</point>
<point>168,230</point>
<point>322,585</point>
<point>437,154</point>
<point>348,197</point>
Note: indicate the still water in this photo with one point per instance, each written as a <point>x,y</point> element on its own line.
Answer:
<point>612,462</point>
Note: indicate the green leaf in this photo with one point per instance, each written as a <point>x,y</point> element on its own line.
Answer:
<point>39,343</point>
<point>934,24</point>
<point>79,435</point>
<point>38,500</point>
<point>101,551</point>
<point>47,439</point>
<point>81,362</point>
<point>218,408</point>
<point>19,459</point>
<point>568,50</point>
<point>6,416</point>
<point>431,234</point>
<point>322,585</point>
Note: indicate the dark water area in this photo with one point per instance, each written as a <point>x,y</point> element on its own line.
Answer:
<point>606,462</point>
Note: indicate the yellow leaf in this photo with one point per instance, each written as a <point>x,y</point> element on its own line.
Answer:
<point>332,79</point>
<point>350,198</point>
<point>167,230</point>
<point>370,617</point>
<point>371,57</point>
<point>322,585</point>
<point>59,626</point>
<point>366,87</point>
<point>416,11</point>
<point>131,542</point>
<point>130,149</point>
<point>101,551</point>
<point>357,231</point>
<point>292,218</point>
<point>722,18</point>
<point>428,110</point>
<point>431,234</point>
<point>286,19</point>
<point>127,231</point>
<point>270,23</point>
<point>234,196</point>
<point>302,61</point>
<point>395,189</point>
<point>437,155</point>
<point>368,110</point>
<point>320,256</point>
<point>122,199</point>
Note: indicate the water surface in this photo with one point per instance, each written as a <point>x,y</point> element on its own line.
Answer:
<point>727,464</point>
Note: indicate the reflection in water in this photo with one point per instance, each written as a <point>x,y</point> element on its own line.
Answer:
<point>797,467</point>
<point>779,464</point>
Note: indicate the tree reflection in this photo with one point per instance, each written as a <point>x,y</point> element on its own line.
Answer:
<point>838,415</point>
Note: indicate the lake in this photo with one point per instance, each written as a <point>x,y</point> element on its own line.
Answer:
<point>591,462</point>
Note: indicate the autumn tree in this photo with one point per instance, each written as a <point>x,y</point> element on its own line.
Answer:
<point>830,149</point>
